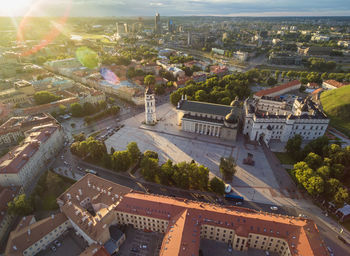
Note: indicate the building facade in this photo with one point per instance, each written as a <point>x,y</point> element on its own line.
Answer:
<point>267,119</point>
<point>24,163</point>
<point>210,119</point>
<point>93,205</point>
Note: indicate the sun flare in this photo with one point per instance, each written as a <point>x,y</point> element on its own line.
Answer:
<point>13,7</point>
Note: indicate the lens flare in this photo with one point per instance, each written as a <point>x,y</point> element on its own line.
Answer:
<point>109,76</point>
<point>87,57</point>
<point>55,31</point>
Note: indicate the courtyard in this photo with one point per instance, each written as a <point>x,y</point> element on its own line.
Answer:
<point>255,183</point>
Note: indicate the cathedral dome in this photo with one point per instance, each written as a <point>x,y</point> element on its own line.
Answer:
<point>231,118</point>
<point>235,102</point>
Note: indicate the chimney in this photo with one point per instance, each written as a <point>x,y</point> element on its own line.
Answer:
<point>29,231</point>
<point>80,192</point>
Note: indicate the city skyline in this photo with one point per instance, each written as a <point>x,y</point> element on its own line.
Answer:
<point>177,8</point>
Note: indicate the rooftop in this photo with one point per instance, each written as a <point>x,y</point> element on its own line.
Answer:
<point>275,89</point>
<point>185,217</point>
<point>204,107</point>
<point>14,160</point>
<point>22,239</point>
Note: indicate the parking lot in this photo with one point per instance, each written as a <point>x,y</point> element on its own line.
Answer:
<point>140,243</point>
<point>211,247</point>
<point>70,244</point>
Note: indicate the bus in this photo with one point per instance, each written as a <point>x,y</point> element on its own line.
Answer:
<point>234,198</point>
<point>90,171</point>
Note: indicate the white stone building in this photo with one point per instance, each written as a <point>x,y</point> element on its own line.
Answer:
<point>274,122</point>
<point>210,119</point>
<point>150,107</point>
<point>23,164</point>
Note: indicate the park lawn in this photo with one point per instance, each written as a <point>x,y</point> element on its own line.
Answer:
<point>336,104</point>
<point>284,158</point>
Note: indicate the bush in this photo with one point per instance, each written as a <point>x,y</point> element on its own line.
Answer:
<point>217,186</point>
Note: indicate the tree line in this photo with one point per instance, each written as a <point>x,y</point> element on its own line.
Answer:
<point>321,168</point>
<point>183,175</point>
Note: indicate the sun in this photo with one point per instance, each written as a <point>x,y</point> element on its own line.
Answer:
<point>14,7</point>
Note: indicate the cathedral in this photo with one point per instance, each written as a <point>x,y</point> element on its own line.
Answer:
<point>210,119</point>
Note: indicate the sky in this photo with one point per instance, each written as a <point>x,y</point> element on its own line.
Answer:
<point>181,7</point>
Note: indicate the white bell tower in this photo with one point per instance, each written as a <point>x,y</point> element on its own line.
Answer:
<point>150,107</point>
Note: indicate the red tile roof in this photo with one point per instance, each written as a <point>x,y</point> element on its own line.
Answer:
<point>269,91</point>
<point>14,161</point>
<point>334,83</point>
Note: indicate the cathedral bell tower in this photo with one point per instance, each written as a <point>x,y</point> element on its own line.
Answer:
<point>150,107</point>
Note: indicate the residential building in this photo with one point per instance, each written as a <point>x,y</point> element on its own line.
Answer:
<point>242,56</point>
<point>94,205</point>
<point>30,238</point>
<point>285,59</point>
<point>6,219</point>
<point>199,76</point>
<point>269,119</point>
<point>220,71</point>
<point>19,94</point>
<point>23,164</point>
<point>315,51</point>
<point>279,89</point>
<point>320,38</point>
<point>332,84</point>
<point>14,128</point>
<point>211,119</point>
<point>218,51</point>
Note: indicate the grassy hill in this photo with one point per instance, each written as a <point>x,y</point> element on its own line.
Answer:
<point>336,104</point>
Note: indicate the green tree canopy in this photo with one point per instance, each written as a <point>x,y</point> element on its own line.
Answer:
<point>134,152</point>
<point>20,205</point>
<point>217,186</point>
<point>149,80</point>
<point>44,97</point>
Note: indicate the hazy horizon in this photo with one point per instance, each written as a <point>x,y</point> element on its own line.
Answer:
<point>135,8</point>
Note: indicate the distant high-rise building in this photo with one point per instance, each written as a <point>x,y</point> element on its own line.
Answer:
<point>189,38</point>
<point>170,26</point>
<point>126,28</point>
<point>157,23</point>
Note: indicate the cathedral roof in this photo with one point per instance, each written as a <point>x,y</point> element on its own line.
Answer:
<point>231,118</point>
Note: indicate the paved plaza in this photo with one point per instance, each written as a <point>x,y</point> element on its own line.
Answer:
<point>255,183</point>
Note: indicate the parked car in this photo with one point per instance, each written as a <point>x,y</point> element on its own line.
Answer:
<point>274,208</point>
<point>330,251</point>
<point>53,248</point>
<point>342,239</point>
<point>135,249</point>
<point>57,243</point>
<point>143,246</point>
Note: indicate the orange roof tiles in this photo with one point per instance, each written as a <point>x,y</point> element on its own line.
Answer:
<point>14,160</point>
<point>186,217</point>
<point>334,83</point>
<point>21,239</point>
<point>281,87</point>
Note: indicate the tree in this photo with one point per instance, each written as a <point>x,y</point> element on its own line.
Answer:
<point>271,81</point>
<point>88,108</point>
<point>201,95</point>
<point>149,80</point>
<point>332,186</point>
<point>217,186</point>
<point>313,160</point>
<point>62,109</point>
<point>324,172</point>
<point>181,178</point>
<point>121,161</point>
<point>44,97</point>
<point>227,167</point>
<point>150,154</point>
<point>149,168</point>
<point>341,196</point>
<point>293,145</point>
<point>77,110</point>
<point>159,89</point>
<point>20,205</point>
<point>315,185</point>
<point>79,137</point>
<point>134,151</point>
<point>166,172</point>
<point>337,170</point>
